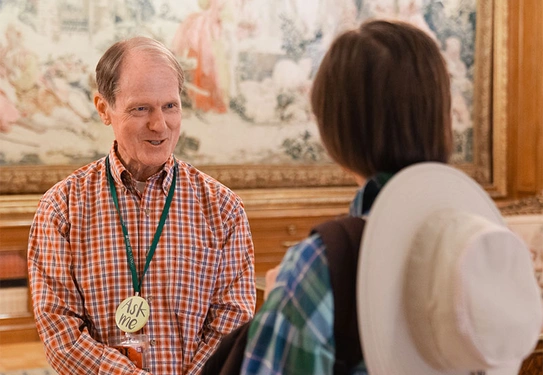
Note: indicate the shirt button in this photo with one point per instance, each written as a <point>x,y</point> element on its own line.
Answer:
<point>152,342</point>
<point>150,299</point>
<point>147,212</point>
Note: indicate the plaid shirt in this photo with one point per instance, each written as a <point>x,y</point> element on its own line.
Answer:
<point>200,283</point>
<point>293,332</point>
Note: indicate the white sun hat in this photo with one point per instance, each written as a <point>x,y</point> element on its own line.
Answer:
<point>443,286</point>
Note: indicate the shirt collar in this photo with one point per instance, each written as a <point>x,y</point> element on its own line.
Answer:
<point>123,177</point>
<point>365,196</point>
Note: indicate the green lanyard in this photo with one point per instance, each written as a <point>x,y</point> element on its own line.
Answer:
<point>383,177</point>
<point>129,254</point>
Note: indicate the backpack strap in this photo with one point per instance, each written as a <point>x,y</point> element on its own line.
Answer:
<point>342,239</point>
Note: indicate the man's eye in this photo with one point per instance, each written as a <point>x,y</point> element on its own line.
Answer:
<point>170,105</point>
<point>138,111</point>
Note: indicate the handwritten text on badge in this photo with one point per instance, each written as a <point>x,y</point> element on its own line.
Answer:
<point>132,314</point>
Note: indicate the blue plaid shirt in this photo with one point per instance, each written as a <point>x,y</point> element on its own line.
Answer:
<point>293,332</point>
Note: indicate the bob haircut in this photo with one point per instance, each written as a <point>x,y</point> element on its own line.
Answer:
<point>108,69</point>
<point>382,100</point>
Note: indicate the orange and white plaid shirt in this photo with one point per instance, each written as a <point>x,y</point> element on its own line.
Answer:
<point>199,285</point>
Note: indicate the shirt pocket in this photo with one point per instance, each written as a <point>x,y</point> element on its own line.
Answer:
<point>191,288</point>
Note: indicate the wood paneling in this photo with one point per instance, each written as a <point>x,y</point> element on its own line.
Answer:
<point>22,356</point>
<point>525,98</point>
<point>17,329</point>
<point>14,237</point>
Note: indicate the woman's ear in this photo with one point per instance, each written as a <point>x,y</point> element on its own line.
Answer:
<point>102,107</point>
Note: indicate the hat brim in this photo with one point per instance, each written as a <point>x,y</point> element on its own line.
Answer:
<point>398,211</point>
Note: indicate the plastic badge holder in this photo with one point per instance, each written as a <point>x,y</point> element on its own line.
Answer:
<point>134,347</point>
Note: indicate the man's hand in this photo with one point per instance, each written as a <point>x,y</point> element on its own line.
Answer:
<point>271,275</point>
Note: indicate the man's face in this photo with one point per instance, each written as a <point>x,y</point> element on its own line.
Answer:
<point>146,117</point>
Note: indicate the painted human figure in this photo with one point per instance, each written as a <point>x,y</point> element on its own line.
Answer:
<point>198,37</point>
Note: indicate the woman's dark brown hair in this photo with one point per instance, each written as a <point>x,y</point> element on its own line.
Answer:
<point>382,99</point>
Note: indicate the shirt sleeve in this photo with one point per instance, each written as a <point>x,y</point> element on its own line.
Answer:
<point>59,309</point>
<point>234,297</point>
<point>293,331</point>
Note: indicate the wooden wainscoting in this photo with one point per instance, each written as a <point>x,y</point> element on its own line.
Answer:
<point>16,215</point>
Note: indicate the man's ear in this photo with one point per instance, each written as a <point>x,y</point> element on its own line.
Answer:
<point>102,107</point>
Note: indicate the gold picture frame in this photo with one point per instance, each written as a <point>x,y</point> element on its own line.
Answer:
<point>489,132</point>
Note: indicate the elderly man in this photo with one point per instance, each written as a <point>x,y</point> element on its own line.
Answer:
<point>139,263</point>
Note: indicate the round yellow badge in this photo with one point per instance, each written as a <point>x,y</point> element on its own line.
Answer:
<point>132,314</point>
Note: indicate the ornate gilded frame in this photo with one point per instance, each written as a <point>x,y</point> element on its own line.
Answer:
<point>489,115</point>
<point>490,98</point>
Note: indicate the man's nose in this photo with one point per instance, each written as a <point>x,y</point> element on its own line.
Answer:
<point>157,122</point>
